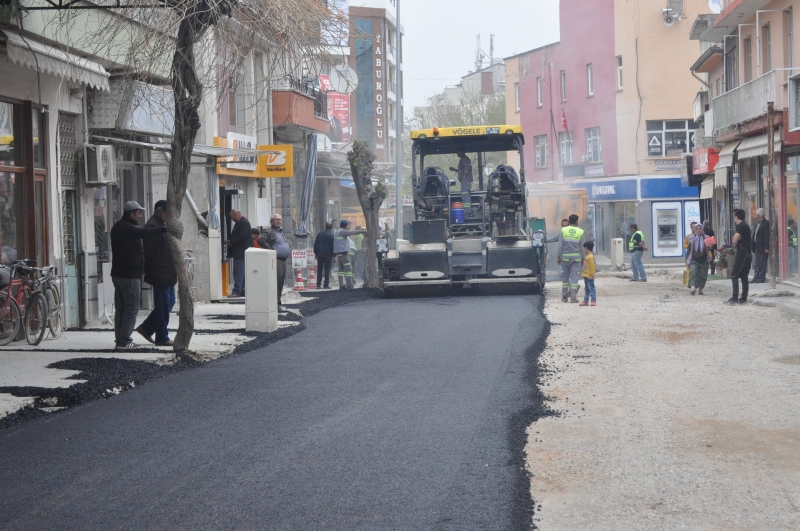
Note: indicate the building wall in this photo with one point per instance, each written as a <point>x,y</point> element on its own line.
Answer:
<point>512,111</point>
<point>657,84</point>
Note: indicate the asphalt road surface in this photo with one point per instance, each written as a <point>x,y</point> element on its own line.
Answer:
<point>389,414</point>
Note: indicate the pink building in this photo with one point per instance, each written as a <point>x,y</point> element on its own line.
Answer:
<point>566,97</point>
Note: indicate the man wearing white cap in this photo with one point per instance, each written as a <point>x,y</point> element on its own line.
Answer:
<point>127,268</point>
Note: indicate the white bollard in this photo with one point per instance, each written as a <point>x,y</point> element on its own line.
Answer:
<point>617,252</point>
<point>261,290</point>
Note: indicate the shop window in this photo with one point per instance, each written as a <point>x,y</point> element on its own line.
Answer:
<point>23,212</point>
<point>540,142</point>
<point>670,138</point>
<point>624,215</point>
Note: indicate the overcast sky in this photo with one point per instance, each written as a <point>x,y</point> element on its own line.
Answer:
<point>439,41</point>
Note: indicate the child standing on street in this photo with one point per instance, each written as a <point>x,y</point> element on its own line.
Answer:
<point>589,269</point>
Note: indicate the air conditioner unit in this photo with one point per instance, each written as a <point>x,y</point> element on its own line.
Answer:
<point>586,158</point>
<point>99,165</point>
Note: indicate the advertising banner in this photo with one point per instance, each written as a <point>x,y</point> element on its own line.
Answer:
<point>278,161</point>
<point>338,111</point>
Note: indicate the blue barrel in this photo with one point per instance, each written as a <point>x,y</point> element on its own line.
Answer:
<point>457,214</point>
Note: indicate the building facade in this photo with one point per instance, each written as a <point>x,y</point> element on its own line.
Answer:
<point>615,118</point>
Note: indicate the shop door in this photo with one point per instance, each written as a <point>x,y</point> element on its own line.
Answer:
<point>72,296</point>
<point>68,158</point>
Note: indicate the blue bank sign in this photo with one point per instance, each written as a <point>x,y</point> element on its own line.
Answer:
<point>609,190</point>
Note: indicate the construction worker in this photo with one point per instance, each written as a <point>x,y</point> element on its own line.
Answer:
<point>464,172</point>
<point>341,249</point>
<point>792,245</point>
<point>637,247</point>
<point>570,257</point>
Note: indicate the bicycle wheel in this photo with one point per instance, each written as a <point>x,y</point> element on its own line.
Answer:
<point>9,319</point>
<point>35,318</point>
<point>54,305</point>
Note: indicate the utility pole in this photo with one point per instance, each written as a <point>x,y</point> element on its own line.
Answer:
<point>773,226</point>
<point>398,141</point>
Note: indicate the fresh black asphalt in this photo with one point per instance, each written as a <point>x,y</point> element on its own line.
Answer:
<point>387,414</point>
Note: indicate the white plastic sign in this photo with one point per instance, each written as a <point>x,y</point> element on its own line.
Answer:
<point>299,259</point>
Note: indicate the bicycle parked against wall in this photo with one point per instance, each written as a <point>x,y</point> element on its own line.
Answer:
<point>50,291</point>
<point>21,304</point>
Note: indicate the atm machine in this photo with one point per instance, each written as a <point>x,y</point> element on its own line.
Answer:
<point>667,230</point>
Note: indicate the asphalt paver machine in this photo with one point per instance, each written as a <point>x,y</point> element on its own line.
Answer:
<point>493,243</point>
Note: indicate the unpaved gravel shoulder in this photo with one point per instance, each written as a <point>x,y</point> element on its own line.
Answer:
<point>676,412</point>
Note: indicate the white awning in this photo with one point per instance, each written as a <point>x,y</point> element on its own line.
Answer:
<point>707,187</point>
<point>37,55</point>
<point>755,146</point>
<point>199,150</point>
<point>720,177</point>
<point>726,155</point>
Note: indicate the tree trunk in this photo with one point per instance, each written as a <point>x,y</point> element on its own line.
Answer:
<point>370,196</point>
<point>187,90</point>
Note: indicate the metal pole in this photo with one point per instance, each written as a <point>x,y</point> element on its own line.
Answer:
<point>398,117</point>
<point>773,232</point>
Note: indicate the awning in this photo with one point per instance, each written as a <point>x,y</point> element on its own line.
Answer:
<point>756,146</point>
<point>721,177</point>
<point>36,55</point>
<point>726,155</point>
<point>199,150</point>
<point>707,187</point>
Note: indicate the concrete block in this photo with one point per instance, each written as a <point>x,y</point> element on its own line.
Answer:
<point>261,321</point>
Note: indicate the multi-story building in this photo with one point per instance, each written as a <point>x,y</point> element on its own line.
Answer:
<point>378,102</point>
<point>67,99</point>
<point>614,118</point>
<point>749,57</point>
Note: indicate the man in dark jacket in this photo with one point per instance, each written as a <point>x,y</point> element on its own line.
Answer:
<point>240,240</point>
<point>127,267</point>
<point>760,247</point>
<point>159,272</point>
<point>273,238</point>
<point>323,252</point>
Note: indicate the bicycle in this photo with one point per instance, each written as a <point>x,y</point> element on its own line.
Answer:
<point>20,303</point>
<point>47,275</point>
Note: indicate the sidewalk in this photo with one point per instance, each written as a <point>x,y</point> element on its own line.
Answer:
<point>785,298</point>
<point>219,329</point>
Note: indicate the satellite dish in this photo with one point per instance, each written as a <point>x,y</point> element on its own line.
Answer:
<point>343,79</point>
<point>714,6</point>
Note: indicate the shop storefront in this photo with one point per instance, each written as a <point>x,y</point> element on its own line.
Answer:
<point>661,207</point>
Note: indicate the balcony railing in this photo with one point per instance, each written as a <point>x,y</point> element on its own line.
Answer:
<point>308,88</point>
<point>748,101</point>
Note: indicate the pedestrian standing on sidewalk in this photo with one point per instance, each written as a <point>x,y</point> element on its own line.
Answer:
<point>697,260</point>
<point>341,249</point>
<point>159,272</point>
<point>742,242</point>
<point>273,238</point>
<point>792,246</point>
<point>760,247</point>
<point>127,268</point>
<point>712,249</point>
<point>689,235</point>
<point>256,233</point>
<point>636,247</point>
<point>589,271</point>
<point>323,251</point>
<point>240,240</point>
<point>360,257</point>
<point>570,258</point>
